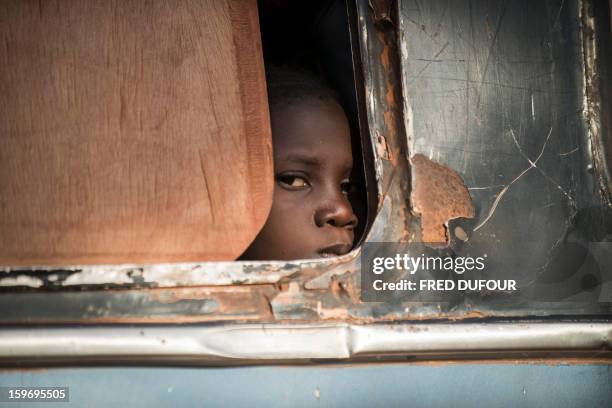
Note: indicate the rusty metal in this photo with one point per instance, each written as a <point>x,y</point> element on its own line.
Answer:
<point>438,196</point>
<point>597,94</point>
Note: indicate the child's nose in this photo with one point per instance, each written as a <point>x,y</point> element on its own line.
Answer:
<point>336,212</point>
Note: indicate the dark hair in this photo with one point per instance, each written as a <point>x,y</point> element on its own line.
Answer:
<point>289,84</point>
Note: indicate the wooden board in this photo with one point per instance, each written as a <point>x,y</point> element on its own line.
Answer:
<point>131,131</point>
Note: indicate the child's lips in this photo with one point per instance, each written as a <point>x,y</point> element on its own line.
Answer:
<point>335,250</point>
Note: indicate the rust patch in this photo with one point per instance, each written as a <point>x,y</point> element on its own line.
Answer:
<point>390,94</point>
<point>336,287</point>
<point>438,195</point>
<point>389,118</point>
<point>266,307</point>
<point>385,58</point>
<point>390,114</point>
<point>474,314</point>
<point>231,300</point>
<point>289,297</point>
<point>336,313</point>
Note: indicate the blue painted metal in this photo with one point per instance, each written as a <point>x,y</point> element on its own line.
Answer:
<point>384,385</point>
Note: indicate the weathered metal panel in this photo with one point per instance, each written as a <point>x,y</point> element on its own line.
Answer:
<point>397,385</point>
<point>499,92</point>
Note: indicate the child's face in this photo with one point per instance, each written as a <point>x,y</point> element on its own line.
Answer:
<point>311,216</point>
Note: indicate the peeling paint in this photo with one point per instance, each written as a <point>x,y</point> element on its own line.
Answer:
<point>438,196</point>
<point>21,280</point>
<point>381,146</point>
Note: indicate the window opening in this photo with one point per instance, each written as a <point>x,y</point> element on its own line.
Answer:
<point>308,46</point>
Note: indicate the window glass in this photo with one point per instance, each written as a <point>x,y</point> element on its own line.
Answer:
<point>501,93</point>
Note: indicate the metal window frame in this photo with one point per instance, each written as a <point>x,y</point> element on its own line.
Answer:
<point>296,312</point>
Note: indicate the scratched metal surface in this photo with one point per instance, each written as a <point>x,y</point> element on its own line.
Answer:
<point>496,91</point>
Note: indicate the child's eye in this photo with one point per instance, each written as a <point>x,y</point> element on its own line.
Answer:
<point>292,182</point>
<point>346,186</point>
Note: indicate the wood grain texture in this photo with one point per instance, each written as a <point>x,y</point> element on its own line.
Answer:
<point>131,131</point>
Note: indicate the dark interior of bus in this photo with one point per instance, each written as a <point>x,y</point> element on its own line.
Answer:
<point>315,36</point>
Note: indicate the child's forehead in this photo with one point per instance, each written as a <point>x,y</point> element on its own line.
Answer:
<point>306,104</point>
<point>314,132</point>
<point>312,135</point>
<point>309,121</point>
